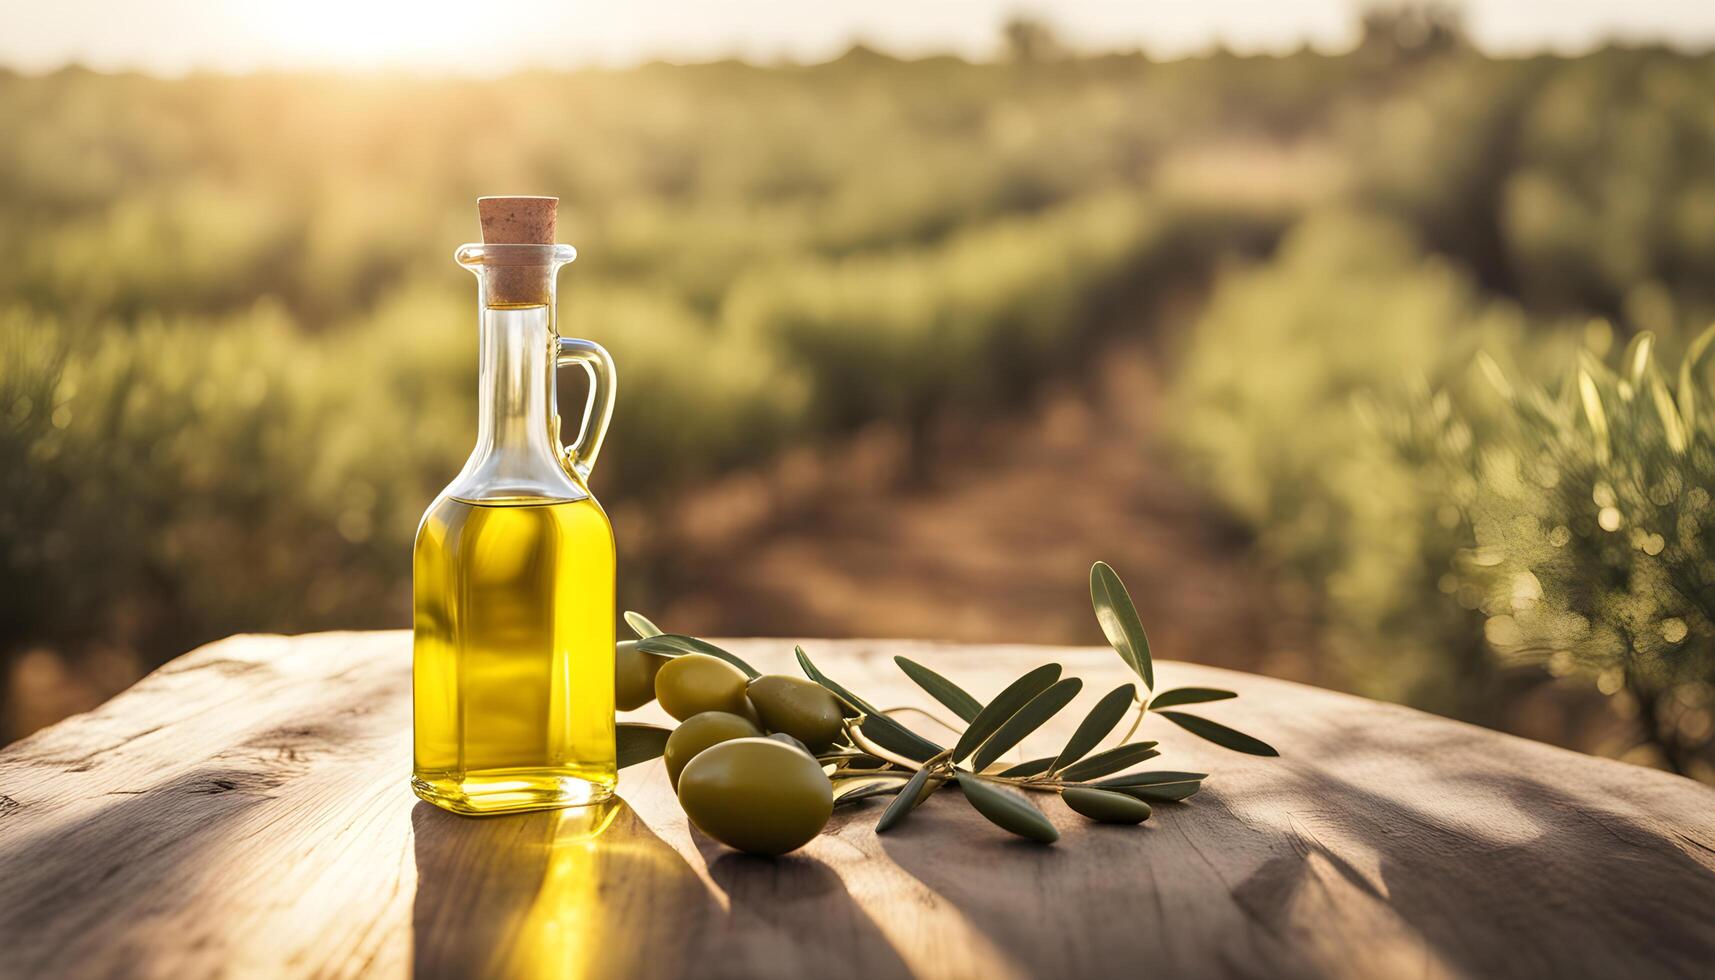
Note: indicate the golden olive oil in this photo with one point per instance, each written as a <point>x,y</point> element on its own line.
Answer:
<point>513,679</point>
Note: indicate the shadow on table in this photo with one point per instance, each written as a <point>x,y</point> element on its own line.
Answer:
<point>1292,870</point>
<point>1037,904</point>
<point>595,892</point>
<point>1498,874</point>
<point>97,868</point>
<point>794,914</point>
<point>582,892</point>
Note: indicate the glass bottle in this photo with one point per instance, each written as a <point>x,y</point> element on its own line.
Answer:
<point>513,571</point>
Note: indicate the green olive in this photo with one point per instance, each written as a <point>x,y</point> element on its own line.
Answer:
<point>634,675</point>
<point>698,733</point>
<point>748,709</point>
<point>800,708</point>
<point>696,682</point>
<point>756,795</point>
<point>785,739</point>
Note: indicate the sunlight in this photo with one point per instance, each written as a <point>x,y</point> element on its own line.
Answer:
<point>364,33</point>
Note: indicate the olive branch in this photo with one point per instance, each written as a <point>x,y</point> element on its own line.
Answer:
<point>880,756</point>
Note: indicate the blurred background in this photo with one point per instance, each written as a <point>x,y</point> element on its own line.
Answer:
<point>1365,340</point>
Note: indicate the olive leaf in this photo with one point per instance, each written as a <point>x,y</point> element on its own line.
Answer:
<point>1028,719</point>
<point>1164,793</point>
<point>881,729</point>
<point>1188,695</point>
<point>641,625</point>
<point>866,791</point>
<point>1035,767</point>
<point>635,742</point>
<point>859,775</point>
<point>1105,806</point>
<point>1595,415</point>
<point>1492,372</point>
<point>906,801</point>
<point>894,737</point>
<point>1688,369</point>
<point>1635,361</point>
<point>1007,808</point>
<point>1096,725</point>
<point>1160,787</point>
<point>1110,761</point>
<point>1153,778</point>
<point>856,762</point>
<point>870,784</point>
<point>677,645</point>
<point>1006,704</point>
<point>1673,427</point>
<point>1219,734</point>
<point>814,673</point>
<point>941,689</point>
<point>1119,622</point>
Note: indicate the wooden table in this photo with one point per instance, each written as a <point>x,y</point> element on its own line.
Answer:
<point>243,811</point>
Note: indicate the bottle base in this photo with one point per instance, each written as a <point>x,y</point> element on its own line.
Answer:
<point>510,791</point>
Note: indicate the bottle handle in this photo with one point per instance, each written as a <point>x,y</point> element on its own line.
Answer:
<point>580,454</point>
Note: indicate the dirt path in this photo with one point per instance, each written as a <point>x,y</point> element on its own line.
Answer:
<point>994,545</point>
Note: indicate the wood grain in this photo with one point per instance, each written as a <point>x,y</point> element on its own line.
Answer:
<point>243,811</point>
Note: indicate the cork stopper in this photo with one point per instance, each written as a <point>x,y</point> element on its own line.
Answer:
<point>522,276</point>
<point>517,220</point>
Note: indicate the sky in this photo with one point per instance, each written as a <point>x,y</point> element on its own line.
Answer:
<point>490,37</point>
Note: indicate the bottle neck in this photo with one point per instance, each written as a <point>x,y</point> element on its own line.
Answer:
<point>515,381</point>
<point>518,453</point>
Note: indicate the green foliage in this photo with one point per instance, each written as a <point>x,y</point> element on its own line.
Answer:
<point>146,466</point>
<point>238,361</point>
<point>235,361</point>
<point>1592,540</point>
<point>1578,184</point>
<point>1458,493</point>
<point>1299,369</point>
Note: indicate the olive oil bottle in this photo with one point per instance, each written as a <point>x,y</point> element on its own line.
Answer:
<point>513,572</point>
